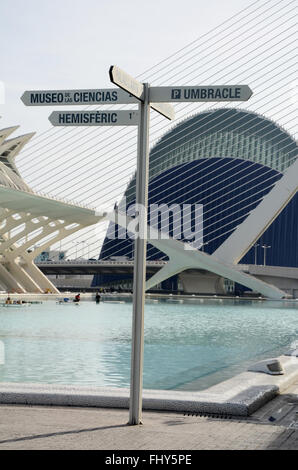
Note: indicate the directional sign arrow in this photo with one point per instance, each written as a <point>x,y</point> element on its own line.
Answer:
<point>200,93</point>
<point>94,118</point>
<point>164,109</point>
<point>126,82</point>
<point>77,97</point>
<point>136,88</point>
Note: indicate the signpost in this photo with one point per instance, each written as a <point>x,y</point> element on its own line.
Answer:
<point>135,88</point>
<point>141,91</point>
<point>76,97</point>
<point>139,274</point>
<point>94,118</point>
<point>157,98</point>
<point>180,94</point>
<point>126,82</point>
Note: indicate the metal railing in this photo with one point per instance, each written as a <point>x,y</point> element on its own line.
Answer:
<point>98,262</point>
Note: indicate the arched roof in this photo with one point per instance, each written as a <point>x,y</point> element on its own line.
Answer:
<point>222,133</point>
<point>249,154</point>
<point>227,132</point>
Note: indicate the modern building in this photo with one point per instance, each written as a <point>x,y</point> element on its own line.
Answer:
<point>222,163</point>
<point>30,223</point>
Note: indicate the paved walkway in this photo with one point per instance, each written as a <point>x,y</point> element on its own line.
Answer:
<point>40,427</point>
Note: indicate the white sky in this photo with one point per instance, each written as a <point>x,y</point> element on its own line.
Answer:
<point>61,44</point>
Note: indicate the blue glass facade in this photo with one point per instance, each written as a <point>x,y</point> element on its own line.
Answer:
<point>227,161</point>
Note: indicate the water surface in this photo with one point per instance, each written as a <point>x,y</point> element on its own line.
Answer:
<point>190,344</point>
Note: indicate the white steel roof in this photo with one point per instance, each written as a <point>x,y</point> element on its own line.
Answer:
<point>22,201</point>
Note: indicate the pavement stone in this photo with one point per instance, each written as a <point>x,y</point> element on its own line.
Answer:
<point>59,428</point>
<point>272,427</point>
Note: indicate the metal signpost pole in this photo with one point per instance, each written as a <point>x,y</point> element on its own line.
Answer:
<point>137,353</point>
<point>132,91</point>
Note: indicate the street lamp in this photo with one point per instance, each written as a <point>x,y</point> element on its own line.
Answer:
<point>88,248</point>
<point>255,247</point>
<point>76,243</point>
<point>265,247</point>
<point>83,248</point>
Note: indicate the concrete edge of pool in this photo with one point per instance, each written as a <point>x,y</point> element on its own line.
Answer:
<point>240,396</point>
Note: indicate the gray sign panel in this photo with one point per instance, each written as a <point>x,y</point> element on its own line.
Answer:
<point>200,93</point>
<point>94,118</point>
<point>135,88</point>
<point>164,109</point>
<point>126,82</point>
<point>77,97</point>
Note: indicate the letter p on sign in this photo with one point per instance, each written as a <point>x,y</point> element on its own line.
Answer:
<point>176,94</point>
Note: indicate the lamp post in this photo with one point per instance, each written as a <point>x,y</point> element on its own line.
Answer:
<point>83,247</point>
<point>265,247</point>
<point>85,250</point>
<point>255,247</point>
<point>76,244</point>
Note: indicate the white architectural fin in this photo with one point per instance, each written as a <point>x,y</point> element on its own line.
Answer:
<point>182,258</point>
<point>4,133</point>
<point>249,231</point>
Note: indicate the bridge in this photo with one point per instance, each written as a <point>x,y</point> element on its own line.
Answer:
<point>284,278</point>
<point>88,267</point>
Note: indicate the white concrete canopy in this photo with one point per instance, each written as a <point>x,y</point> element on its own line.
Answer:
<point>26,219</point>
<point>21,201</point>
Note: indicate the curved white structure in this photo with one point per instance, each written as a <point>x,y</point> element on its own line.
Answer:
<point>242,168</point>
<point>181,257</point>
<point>26,219</point>
<point>224,259</point>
